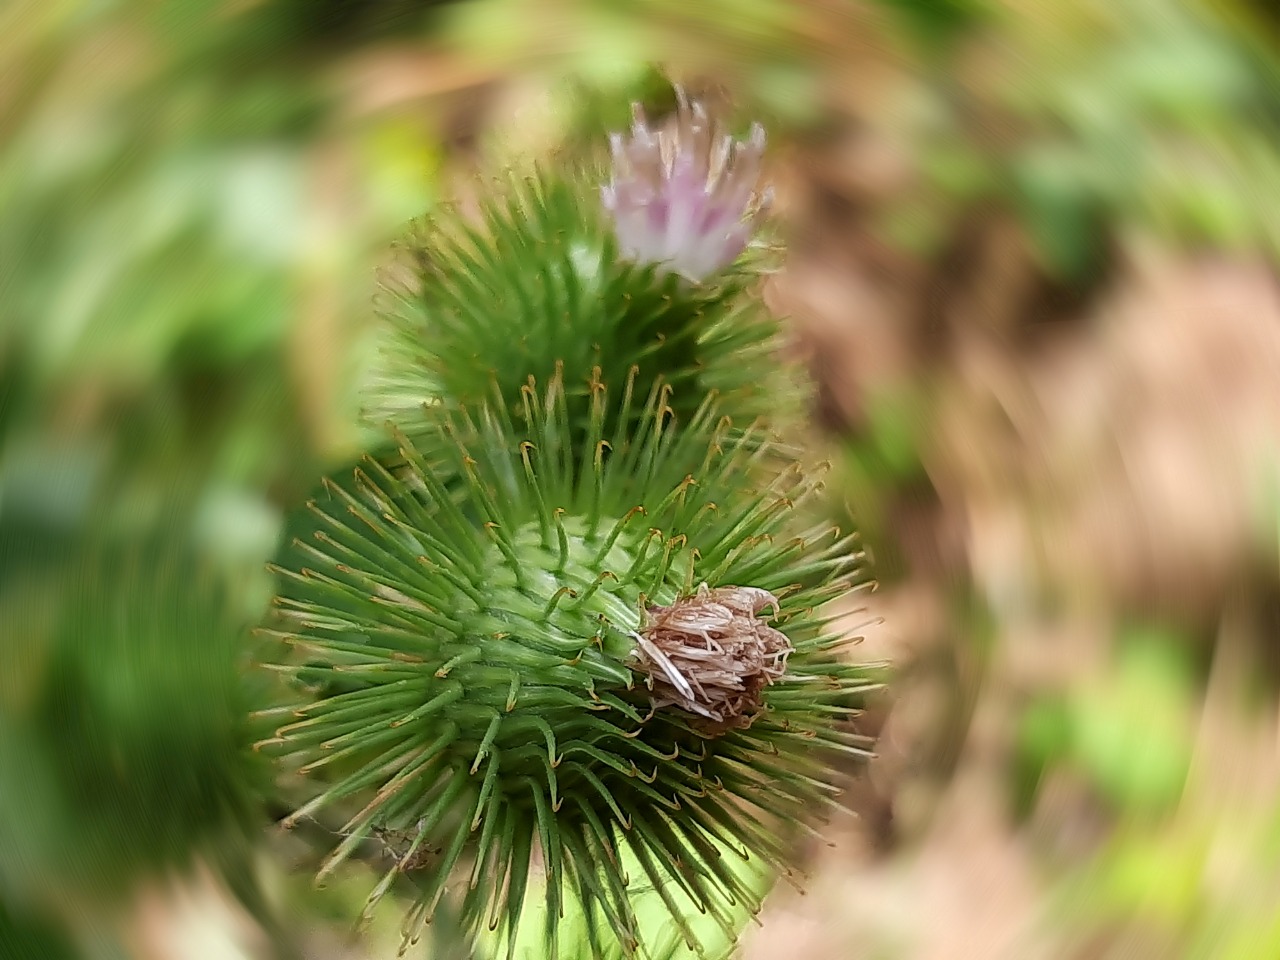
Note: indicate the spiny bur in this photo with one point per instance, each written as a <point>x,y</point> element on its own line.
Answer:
<point>646,267</point>
<point>586,655</point>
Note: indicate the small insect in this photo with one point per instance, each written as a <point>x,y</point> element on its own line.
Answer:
<point>399,846</point>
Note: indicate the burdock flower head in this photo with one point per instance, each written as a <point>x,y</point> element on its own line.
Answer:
<point>684,196</point>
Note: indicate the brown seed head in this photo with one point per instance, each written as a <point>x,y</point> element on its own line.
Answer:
<point>710,654</point>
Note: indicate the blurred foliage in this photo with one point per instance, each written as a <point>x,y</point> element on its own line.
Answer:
<point>1148,115</point>
<point>1127,733</point>
<point>937,24</point>
<point>882,463</point>
<point>768,46</point>
<point>123,720</point>
<point>157,410</point>
<point>27,936</point>
<point>1198,883</point>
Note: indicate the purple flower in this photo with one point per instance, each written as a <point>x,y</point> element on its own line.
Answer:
<point>684,196</point>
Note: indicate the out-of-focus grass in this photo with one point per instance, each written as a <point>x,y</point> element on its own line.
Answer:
<point>187,251</point>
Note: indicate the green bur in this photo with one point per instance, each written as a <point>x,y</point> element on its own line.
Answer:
<point>662,939</point>
<point>532,285</point>
<point>468,644</point>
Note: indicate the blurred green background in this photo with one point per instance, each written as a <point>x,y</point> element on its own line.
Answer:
<point>1032,269</point>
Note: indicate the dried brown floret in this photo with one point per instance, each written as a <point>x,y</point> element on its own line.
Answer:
<point>712,655</point>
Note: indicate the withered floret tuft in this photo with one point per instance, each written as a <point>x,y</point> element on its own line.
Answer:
<point>712,655</point>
